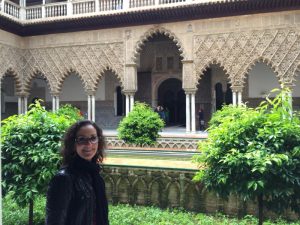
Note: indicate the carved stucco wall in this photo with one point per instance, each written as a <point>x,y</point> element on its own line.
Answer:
<point>238,52</point>
<point>88,61</point>
<point>11,64</point>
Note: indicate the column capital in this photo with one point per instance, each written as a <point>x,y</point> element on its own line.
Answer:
<point>186,61</point>
<point>55,93</point>
<point>190,91</point>
<point>287,85</point>
<point>130,64</point>
<point>90,92</point>
<point>129,92</point>
<point>237,88</point>
<point>22,94</point>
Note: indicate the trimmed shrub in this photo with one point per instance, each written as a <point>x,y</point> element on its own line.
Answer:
<point>141,126</point>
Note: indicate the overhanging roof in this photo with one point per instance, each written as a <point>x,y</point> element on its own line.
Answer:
<point>146,16</point>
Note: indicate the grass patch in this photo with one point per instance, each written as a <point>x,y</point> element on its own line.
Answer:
<point>133,215</point>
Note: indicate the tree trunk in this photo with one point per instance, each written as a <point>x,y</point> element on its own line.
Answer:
<point>30,220</point>
<point>260,209</point>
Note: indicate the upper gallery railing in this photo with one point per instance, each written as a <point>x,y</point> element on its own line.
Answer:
<point>77,7</point>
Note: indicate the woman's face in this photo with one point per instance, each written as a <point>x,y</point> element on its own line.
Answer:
<point>86,142</point>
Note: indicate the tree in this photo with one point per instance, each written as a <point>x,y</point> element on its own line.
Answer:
<point>141,126</point>
<point>255,154</point>
<point>30,151</point>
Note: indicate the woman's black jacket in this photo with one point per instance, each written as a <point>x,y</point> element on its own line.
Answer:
<point>71,199</point>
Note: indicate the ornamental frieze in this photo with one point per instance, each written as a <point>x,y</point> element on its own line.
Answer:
<point>238,52</point>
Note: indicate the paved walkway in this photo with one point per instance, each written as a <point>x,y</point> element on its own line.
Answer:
<point>150,163</point>
<point>167,132</point>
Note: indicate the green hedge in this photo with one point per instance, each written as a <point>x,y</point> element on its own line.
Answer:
<point>132,215</point>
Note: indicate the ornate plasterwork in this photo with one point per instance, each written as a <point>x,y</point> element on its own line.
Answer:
<point>238,52</point>
<point>145,37</point>
<point>89,62</point>
<point>11,65</point>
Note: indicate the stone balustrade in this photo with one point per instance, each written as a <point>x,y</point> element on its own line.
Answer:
<point>85,7</point>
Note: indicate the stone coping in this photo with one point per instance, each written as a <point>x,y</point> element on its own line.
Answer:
<point>150,163</point>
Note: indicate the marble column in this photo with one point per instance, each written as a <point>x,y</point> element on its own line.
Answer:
<point>193,112</point>
<point>131,102</point>
<point>127,104</point>
<point>239,98</point>
<point>234,98</point>
<point>187,112</point>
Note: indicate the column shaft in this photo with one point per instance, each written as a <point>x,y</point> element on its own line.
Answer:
<point>131,102</point>
<point>193,112</point>
<point>188,113</point>
<point>115,103</point>
<point>234,98</point>
<point>25,104</point>
<point>89,107</point>
<point>53,104</point>
<point>57,103</point>
<point>127,104</point>
<point>19,105</point>
<point>239,98</point>
<point>93,112</point>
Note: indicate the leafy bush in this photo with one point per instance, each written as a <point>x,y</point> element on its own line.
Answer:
<point>69,111</point>
<point>141,126</point>
<point>254,153</point>
<point>30,151</point>
<point>134,215</point>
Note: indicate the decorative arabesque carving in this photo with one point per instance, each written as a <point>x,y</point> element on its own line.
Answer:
<point>89,61</point>
<point>11,65</point>
<point>238,52</point>
<point>143,39</point>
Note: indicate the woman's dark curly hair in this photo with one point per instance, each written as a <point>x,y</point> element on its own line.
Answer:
<point>68,151</point>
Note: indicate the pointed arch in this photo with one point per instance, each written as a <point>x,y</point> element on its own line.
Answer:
<point>150,33</point>
<point>11,73</point>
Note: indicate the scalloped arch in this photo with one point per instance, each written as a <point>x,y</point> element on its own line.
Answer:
<point>200,72</point>
<point>148,34</point>
<point>29,79</point>
<point>102,73</point>
<point>68,73</point>
<point>251,65</point>
<point>10,72</point>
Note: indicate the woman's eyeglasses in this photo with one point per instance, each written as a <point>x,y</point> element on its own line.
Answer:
<point>86,140</point>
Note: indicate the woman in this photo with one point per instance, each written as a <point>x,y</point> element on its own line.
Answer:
<point>76,194</point>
